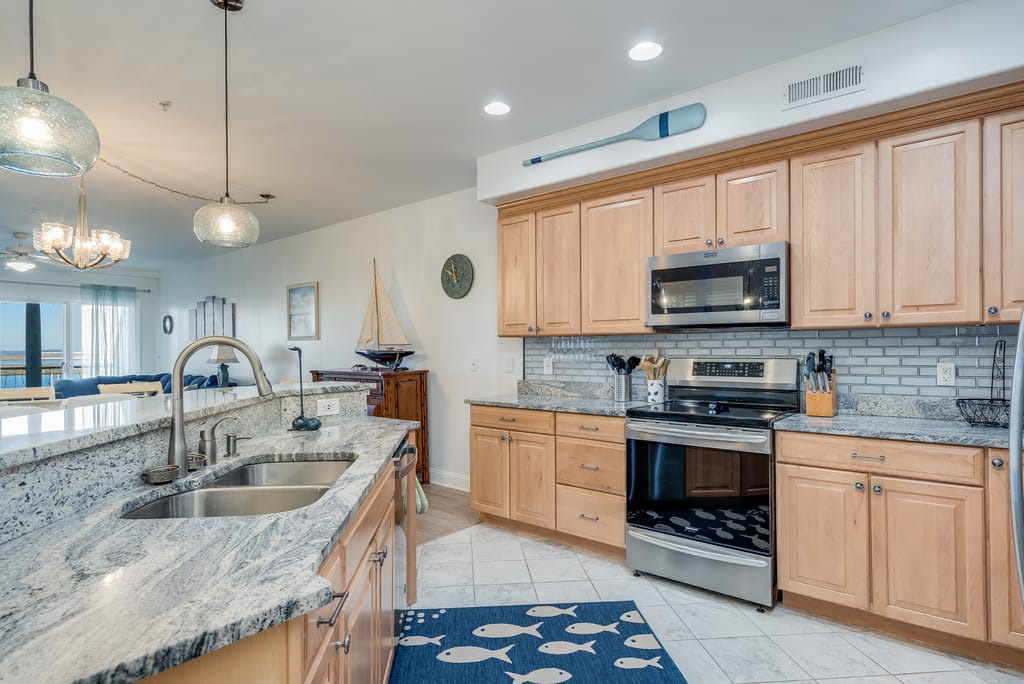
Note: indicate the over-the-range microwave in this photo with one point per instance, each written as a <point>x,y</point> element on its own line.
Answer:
<point>732,286</point>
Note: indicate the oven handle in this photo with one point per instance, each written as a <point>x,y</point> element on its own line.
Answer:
<point>714,436</point>
<point>700,553</point>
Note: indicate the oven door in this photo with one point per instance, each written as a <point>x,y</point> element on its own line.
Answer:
<point>727,286</point>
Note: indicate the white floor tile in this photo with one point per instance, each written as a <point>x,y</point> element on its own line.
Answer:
<point>444,597</point>
<point>957,677</point>
<point>666,624</point>
<point>827,655</point>
<point>877,679</point>
<point>603,568</point>
<point>993,675</point>
<point>695,663</point>
<point>501,572</point>
<point>781,620</point>
<point>508,549</point>
<point>463,536</point>
<point>566,592</point>
<point>445,575</point>
<point>490,533</point>
<point>899,657</point>
<point>635,589</point>
<point>504,594</point>
<point>541,549</point>
<point>434,553</point>
<point>755,659</point>
<point>556,569</point>
<point>716,620</point>
<point>677,593</point>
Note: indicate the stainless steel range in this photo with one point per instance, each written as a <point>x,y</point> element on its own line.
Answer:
<point>699,490</point>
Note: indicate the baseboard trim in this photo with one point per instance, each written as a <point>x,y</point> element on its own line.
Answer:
<point>447,478</point>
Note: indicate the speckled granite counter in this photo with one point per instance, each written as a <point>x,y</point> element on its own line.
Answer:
<point>908,429</point>
<point>536,402</point>
<point>94,598</point>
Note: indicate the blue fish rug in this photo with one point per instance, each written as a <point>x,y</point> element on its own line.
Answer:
<point>581,643</point>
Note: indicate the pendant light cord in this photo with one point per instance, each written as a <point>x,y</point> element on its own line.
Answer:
<point>31,40</point>
<point>227,192</point>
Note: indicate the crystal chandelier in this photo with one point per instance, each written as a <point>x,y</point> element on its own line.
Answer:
<point>225,223</point>
<point>41,134</point>
<point>80,247</point>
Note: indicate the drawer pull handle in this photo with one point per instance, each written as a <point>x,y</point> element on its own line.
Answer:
<point>331,621</point>
<point>589,428</point>
<point>505,419</point>
<point>343,645</point>
<point>584,466</point>
<point>864,457</point>
<point>592,518</point>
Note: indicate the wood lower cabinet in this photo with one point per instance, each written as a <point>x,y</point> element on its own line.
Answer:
<point>488,471</point>
<point>360,660</point>
<point>753,205</point>
<point>1003,186</point>
<point>1005,610</point>
<point>823,534</point>
<point>517,275</point>
<point>531,478</point>
<point>617,237</point>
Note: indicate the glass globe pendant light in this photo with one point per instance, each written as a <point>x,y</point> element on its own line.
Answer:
<point>225,223</point>
<point>41,134</point>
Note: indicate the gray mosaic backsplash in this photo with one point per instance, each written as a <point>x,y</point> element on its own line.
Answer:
<point>892,362</point>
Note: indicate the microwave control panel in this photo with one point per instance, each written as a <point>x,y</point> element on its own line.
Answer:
<point>728,369</point>
<point>770,295</point>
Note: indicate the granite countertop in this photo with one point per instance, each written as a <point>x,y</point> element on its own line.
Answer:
<point>908,429</point>
<point>25,439</point>
<point>94,598</point>
<point>536,402</point>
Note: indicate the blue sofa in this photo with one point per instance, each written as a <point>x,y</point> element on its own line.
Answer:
<point>78,388</point>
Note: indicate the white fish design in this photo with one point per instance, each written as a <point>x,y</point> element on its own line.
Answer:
<point>592,628</point>
<point>551,611</point>
<point>632,616</point>
<point>566,647</point>
<point>733,515</point>
<point>722,533</point>
<point>761,530</point>
<point>764,508</point>
<point>474,654</point>
<point>546,675</point>
<point>734,526</point>
<point>502,631</point>
<point>704,514</point>
<point>682,522</point>
<point>638,663</point>
<point>757,541</point>
<point>420,640</point>
<point>662,527</point>
<point>644,641</point>
<point>653,515</point>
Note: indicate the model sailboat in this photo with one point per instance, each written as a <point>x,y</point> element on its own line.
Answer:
<point>381,332</point>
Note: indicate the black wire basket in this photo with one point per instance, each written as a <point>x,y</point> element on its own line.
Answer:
<point>994,411</point>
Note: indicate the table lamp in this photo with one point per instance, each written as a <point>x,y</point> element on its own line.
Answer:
<point>222,355</point>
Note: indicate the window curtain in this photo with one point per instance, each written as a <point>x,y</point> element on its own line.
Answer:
<point>110,330</point>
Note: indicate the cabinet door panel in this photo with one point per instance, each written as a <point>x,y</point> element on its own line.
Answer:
<point>531,475</point>
<point>1006,613</point>
<point>833,238</point>
<point>823,534</point>
<point>617,240</point>
<point>929,226</point>
<point>488,471</point>
<point>928,554</point>
<point>361,662</point>
<point>517,276</point>
<point>753,205</point>
<point>384,543</point>
<point>1004,216</point>
<point>558,271</point>
<point>684,215</point>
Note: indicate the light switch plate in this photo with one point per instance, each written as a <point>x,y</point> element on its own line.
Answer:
<point>328,407</point>
<point>945,374</point>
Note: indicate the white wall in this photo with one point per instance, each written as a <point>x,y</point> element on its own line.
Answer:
<point>964,48</point>
<point>47,283</point>
<point>410,244</point>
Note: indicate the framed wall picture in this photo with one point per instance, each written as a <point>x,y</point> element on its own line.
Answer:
<point>304,311</point>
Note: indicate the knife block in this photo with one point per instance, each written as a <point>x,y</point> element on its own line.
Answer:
<point>823,404</point>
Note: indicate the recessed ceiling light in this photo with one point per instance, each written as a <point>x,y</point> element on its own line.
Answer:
<point>641,52</point>
<point>497,108</point>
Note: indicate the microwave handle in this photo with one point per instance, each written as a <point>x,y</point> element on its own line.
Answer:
<point>700,553</point>
<point>711,436</point>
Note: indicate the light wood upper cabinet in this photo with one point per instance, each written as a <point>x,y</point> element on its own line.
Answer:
<point>617,240</point>
<point>488,471</point>
<point>558,271</point>
<point>833,239</point>
<point>823,534</point>
<point>929,226</point>
<point>928,554</point>
<point>1004,217</point>
<point>1006,613</point>
<point>684,216</point>
<point>531,476</point>
<point>517,275</point>
<point>753,205</point>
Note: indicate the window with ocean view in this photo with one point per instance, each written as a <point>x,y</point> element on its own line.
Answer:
<point>39,343</point>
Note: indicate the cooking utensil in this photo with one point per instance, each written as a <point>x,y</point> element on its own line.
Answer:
<point>822,380</point>
<point>631,363</point>
<point>807,377</point>
<point>810,371</point>
<point>828,373</point>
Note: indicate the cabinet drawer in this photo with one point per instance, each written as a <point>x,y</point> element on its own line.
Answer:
<point>604,428</point>
<point>591,515</point>
<point>592,465</point>
<point>317,634</point>
<point>513,419</point>
<point>941,462</point>
<point>358,538</point>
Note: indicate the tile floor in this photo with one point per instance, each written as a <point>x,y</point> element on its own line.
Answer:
<point>713,639</point>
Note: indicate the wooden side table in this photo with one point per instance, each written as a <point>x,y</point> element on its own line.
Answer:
<point>398,394</point>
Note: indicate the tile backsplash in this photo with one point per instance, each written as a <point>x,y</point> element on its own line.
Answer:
<point>895,362</point>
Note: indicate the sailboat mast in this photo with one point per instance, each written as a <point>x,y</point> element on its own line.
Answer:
<point>376,307</point>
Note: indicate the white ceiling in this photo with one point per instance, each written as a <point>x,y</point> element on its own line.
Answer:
<point>343,109</point>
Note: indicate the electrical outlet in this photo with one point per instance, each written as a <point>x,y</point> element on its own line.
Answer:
<point>328,407</point>
<point>945,374</point>
<point>549,365</point>
<point>474,365</point>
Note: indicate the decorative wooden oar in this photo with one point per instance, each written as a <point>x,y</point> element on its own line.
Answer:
<point>681,120</point>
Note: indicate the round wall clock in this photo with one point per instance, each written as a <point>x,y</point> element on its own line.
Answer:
<point>457,276</point>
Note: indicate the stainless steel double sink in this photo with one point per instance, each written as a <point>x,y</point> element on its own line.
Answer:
<point>256,489</point>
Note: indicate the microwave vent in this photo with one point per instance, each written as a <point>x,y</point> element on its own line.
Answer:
<point>824,86</point>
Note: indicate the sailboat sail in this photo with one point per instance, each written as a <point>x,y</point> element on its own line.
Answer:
<point>380,323</point>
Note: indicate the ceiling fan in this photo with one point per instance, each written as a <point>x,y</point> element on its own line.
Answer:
<point>19,257</point>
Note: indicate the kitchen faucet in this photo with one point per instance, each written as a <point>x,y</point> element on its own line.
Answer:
<point>177,449</point>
